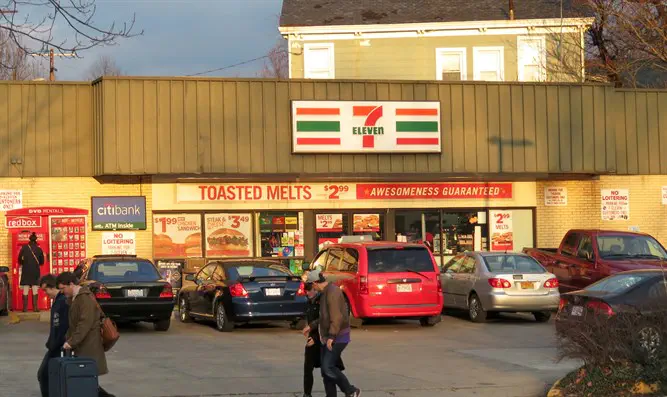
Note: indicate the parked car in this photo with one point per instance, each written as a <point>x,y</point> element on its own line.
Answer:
<point>586,256</point>
<point>636,297</point>
<point>384,279</point>
<point>4,291</point>
<point>487,283</point>
<point>129,289</point>
<point>243,291</point>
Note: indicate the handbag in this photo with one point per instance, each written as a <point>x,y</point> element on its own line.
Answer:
<point>33,254</point>
<point>110,334</point>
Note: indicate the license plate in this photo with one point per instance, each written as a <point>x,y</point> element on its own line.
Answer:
<point>272,292</point>
<point>404,288</point>
<point>577,310</point>
<point>527,285</point>
<point>135,293</point>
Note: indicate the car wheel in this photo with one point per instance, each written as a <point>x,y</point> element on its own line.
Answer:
<point>475,310</point>
<point>648,341</point>
<point>222,322</point>
<point>183,312</point>
<point>162,325</point>
<point>355,322</point>
<point>542,317</point>
<point>429,321</point>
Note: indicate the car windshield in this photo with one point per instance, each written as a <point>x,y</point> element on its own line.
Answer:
<point>630,246</point>
<point>256,270</point>
<point>512,264</point>
<point>123,271</point>
<point>619,283</point>
<point>393,260</point>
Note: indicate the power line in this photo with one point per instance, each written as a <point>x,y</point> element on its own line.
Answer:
<point>228,66</point>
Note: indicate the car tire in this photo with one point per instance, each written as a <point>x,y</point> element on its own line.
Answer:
<point>355,322</point>
<point>222,322</point>
<point>429,321</point>
<point>162,325</point>
<point>542,317</point>
<point>183,311</point>
<point>476,312</point>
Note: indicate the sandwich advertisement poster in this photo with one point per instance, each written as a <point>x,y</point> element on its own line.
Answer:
<point>228,235</point>
<point>366,223</point>
<point>177,236</point>
<point>502,235</point>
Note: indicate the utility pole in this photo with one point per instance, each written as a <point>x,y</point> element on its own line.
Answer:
<point>52,62</point>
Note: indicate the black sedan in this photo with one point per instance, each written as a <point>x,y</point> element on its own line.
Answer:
<point>4,290</point>
<point>129,289</point>
<point>635,300</point>
<point>243,291</point>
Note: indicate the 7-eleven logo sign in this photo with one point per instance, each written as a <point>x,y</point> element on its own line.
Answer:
<point>369,129</point>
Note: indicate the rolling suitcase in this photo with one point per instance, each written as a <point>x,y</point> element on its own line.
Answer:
<point>71,376</point>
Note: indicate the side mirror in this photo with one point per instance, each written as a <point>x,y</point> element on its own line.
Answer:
<point>190,277</point>
<point>4,269</point>
<point>305,266</point>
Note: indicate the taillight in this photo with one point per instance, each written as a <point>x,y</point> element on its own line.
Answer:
<point>562,304</point>
<point>551,283</point>
<point>600,307</point>
<point>437,280</point>
<point>302,290</point>
<point>499,283</point>
<point>167,292</point>
<point>102,293</point>
<point>363,285</point>
<point>238,290</point>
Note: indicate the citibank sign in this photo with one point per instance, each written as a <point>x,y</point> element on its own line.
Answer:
<point>119,213</point>
<point>21,222</point>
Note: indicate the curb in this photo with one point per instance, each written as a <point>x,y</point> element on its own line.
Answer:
<point>639,389</point>
<point>555,390</point>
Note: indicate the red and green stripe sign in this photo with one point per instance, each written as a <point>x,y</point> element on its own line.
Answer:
<point>417,126</point>
<point>323,123</point>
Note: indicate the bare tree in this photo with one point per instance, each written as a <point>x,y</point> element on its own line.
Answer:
<point>104,66</point>
<point>15,64</point>
<point>276,64</point>
<point>67,26</point>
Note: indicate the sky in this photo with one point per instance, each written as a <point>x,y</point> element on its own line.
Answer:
<point>183,37</point>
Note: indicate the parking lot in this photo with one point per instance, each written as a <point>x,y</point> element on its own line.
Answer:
<point>512,356</point>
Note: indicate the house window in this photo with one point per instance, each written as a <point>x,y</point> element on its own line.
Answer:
<point>489,63</point>
<point>318,61</point>
<point>450,64</point>
<point>532,59</point>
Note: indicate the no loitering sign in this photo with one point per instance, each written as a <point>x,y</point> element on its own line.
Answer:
<point>119,243</point>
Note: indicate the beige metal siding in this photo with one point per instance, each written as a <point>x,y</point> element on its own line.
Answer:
<point>47,128</point>
<point>243,126</point>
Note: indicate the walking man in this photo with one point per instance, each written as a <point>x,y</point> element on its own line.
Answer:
<point>84,336</point>
<point>31,257</point>
<point>59,325</point>
<point>334,329</point>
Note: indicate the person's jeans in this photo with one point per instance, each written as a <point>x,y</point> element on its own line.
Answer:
<point>43,374</point>
<point>332,376</point>
<point>309,363</point>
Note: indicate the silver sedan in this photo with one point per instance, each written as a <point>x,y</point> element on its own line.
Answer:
<point>486,283</point>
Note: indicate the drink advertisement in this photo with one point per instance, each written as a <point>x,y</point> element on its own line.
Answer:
<point>228,235</point>
<point>329,223</point>
<point>366,223</point>
<point>171,271</point>
<point>177,236</point>
<point>500,225</point>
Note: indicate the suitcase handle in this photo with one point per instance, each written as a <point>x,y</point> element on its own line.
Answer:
<point>66,353</point>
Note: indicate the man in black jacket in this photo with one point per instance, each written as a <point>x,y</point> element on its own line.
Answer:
<point>59,326</point>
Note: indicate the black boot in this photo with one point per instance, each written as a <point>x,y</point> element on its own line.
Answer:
<point>35,300</point>
<point>25,303</point>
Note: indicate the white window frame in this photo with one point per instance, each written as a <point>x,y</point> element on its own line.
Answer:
<point>475,61</point>
<point>439,52</point>
<point>310,47</point>
<point>543,56</point>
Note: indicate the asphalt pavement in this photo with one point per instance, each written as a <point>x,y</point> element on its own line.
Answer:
<point>509,357</point>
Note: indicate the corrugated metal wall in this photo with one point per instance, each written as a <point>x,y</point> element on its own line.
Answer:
<point>215,126</point>
<point>45,129</point>
<point>181,126</point>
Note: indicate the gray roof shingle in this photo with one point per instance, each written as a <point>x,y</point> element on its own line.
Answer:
<point>371,12</point>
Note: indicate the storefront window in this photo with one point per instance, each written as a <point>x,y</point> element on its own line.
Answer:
<point>418,227</point>
<point>463,231</point>
<point>368,225</point>
<point>330,228</point>
<point>281,234</point>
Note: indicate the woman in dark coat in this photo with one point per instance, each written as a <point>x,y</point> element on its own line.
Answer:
<point>31,257</point>
<point>313,343</point>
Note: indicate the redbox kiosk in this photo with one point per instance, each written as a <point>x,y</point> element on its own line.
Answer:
<point>62,235</point>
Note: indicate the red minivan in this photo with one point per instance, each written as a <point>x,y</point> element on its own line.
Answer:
<point>384,279</point>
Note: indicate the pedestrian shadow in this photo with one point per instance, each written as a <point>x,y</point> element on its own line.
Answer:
<point>499,318</point>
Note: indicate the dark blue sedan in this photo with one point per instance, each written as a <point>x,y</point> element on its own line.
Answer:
<point>235,291</point>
